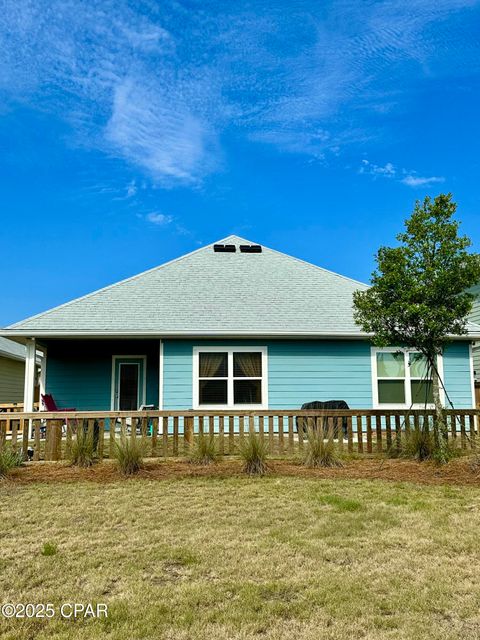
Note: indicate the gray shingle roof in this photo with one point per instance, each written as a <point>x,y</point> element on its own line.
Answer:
<point>208,293</point>
<point>10,349</point>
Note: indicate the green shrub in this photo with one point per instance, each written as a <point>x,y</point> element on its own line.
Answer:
<point>254,452</point>
<point>320,452</point>
<point>9,459</point>
<point>203,451</point>
<point>129,455</point>
<point>81,451</point>
<point>49,549</point>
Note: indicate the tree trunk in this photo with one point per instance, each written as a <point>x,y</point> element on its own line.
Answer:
<point>440,427</point>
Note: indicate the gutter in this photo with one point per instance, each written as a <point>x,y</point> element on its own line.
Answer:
<point>19,335</point>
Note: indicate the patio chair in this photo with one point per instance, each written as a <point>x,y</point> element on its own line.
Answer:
<point>50,405</point>
<point>138,425</point>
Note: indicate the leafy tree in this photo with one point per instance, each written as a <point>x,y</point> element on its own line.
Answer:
<point>418,296</point>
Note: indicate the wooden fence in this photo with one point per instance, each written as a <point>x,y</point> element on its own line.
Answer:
<point>169,433</point>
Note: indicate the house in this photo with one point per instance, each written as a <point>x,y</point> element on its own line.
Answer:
<point>12,372</point>
<point>232,325</point>
<point>475,317</point>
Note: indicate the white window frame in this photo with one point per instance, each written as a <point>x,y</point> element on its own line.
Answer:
<point>230,378</point>
<point>407,379</point>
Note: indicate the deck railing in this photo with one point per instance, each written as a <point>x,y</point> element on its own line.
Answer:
<point>169,433</point>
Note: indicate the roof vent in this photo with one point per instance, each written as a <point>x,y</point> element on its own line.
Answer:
<point>224,248</point>
<point>250,248</point>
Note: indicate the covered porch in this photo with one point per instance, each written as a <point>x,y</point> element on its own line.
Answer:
<point>96,374</point>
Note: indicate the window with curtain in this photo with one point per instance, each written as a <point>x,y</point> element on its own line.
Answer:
<point>403,378</point>
<point>230,377</point>
<point>213,378</point>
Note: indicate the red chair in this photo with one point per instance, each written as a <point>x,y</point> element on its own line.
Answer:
<point>50,404</point>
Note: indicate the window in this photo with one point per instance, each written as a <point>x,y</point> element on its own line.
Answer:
<point>229,377</point>
<point>401,378</point>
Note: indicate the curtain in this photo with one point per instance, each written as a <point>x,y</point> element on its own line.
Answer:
<point>248,365</point>
<point>213,365</point>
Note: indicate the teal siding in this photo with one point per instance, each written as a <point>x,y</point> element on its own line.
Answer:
<point>298,371</point>
<point>301,371</point>
<point>79,372</point>
<point>457,375</point>
<point>319,370</point>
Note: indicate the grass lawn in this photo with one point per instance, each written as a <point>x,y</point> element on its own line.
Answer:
<point>231,557</point>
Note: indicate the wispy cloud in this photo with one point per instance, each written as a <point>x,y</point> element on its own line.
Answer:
<point>407,177</point>
<point>159,218</point>
<point>131,189</point>
<point>159,86</point>
<point>386,171</point>
<point>158,132</point>
<point>418,181</point>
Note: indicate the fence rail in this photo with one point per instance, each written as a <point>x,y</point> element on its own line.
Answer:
<point>169,433</point>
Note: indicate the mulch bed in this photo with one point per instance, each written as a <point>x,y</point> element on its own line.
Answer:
<point>457,472</point>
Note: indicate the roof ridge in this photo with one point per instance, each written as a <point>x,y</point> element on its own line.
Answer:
<point>233,236</point>
<point>316,266</point>
<point>287,255</point>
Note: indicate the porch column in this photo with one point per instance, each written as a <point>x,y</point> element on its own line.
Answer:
<point>29,388</point>
<point>43,377</point>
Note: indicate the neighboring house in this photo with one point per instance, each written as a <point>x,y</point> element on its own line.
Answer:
<point>475,317</point>
<point>12,372</point>
<point>234,326</point>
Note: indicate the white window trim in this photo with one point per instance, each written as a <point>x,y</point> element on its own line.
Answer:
<point>408,390</point>
<point>230,405</point>
<point>143,399</point>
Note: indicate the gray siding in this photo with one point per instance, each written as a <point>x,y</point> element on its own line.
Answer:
<point>475,317</point>
<point>11,380</point>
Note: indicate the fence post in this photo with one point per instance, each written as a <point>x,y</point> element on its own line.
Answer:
<point>165,436</point>
<point>349,433</point>
<point>378,425</point>
<point>25,433</point>
<point>155,425</point>
<point>37,424</point>
<point>101,438</point>
<point>221,434</point>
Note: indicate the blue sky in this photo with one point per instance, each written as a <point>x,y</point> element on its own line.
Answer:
<point>133,132</point>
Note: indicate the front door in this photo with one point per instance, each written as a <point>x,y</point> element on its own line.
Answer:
<point>129,383</point>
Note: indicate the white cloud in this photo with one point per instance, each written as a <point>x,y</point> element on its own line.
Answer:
<point>159,218</point>
<point>387,171</point>
<point>418,181</point>
<point>131,189</point>
<point>157,131</point>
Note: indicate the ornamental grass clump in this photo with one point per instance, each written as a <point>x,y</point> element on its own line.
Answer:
<point>254,452</point>
<point>81,451</point>
<point>9,459</point>
<point>128,454</point>
<point>320,451</point>
<point>203,451</point>
<point>420,444</point>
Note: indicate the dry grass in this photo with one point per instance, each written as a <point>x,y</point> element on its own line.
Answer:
<point>227,557</point>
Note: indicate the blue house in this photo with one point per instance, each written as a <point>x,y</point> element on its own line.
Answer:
<point>233,325</point>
